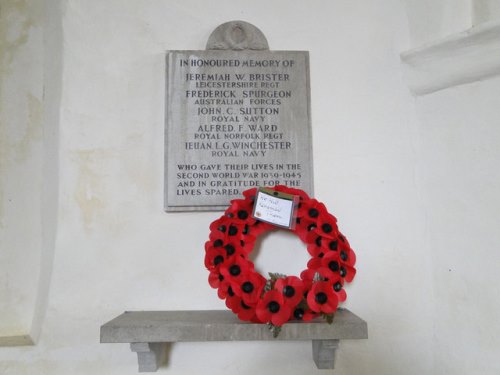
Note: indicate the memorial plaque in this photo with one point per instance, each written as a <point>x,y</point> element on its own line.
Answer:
<point>236,118</point>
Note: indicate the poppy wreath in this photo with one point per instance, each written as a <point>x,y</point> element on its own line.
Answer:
<point>320,287</point>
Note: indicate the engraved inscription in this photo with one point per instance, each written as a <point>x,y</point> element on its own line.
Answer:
<point>235,120</point>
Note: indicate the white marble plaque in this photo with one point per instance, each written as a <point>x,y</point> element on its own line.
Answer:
<point>235,119</point>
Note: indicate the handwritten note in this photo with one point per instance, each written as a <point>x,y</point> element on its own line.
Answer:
<point>275,207</point>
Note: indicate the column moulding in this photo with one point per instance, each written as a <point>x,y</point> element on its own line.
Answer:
<point>461,58</point>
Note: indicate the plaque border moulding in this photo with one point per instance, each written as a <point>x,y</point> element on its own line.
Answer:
<point>236,36</point>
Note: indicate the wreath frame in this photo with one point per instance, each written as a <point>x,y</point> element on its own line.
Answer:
<point>281,298</point>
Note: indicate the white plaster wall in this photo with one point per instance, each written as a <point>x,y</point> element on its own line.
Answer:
<point>485,11</point>
<point>460,141</point>
<point>430,20</point>
<point>117,250</point>
<point>458,160</point>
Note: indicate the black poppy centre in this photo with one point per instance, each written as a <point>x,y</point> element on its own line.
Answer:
<point>273,307</point>
<point>288,291</point>
<point>247,287</point>
<point>321,298</point>
<point>235,270</point>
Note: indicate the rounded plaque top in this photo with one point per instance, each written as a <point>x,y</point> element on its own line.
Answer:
<point>237,35</point>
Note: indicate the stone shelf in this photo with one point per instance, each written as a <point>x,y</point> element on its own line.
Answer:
<point>150,332</point>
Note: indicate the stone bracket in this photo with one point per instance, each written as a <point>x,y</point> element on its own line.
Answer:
<point>324,352</point>
<point>150,355</point>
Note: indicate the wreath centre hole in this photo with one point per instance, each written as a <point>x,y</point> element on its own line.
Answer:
<point>279,251</point>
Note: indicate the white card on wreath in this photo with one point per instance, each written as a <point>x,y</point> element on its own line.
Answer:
<point>275,207</point>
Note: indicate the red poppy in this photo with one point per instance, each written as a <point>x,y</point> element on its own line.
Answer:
<point>215,279</point>
<point>346,254</point>
<point>308,215</point>
<point>343,239</point>
<point>272,309</point>
<point>227,230</point>
<point>219,227</point>
<point>315,238</point>
<point>321,298</point>
<point>330,244</point>
<point>292,289</point>
<point>240,211</point>
<point>236,247</point>
<point>307,285</point>
<point>214,258</point>
<point>337,283</point>
<point>327,226</point>
<point>260,227</point>
<point>330,264</point>
<point>311,210</point>
<point>233,302</point>
<point>250,194</point>
<point>345,270</point>
<point>249,287</point>
<point>313,270</point>
<point>300,230</point>
<point>247,313</point>
<point>307,276</point>
<point>223,290</point>
<point>315,250</point>
<point>225,248</point>
<point>334,249</point>
<point>304,314</point>
<point>236,268</point>
<point>314,263</point>
<point>216,239</point>
<point>332,270</point>
<point>247,244</point>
